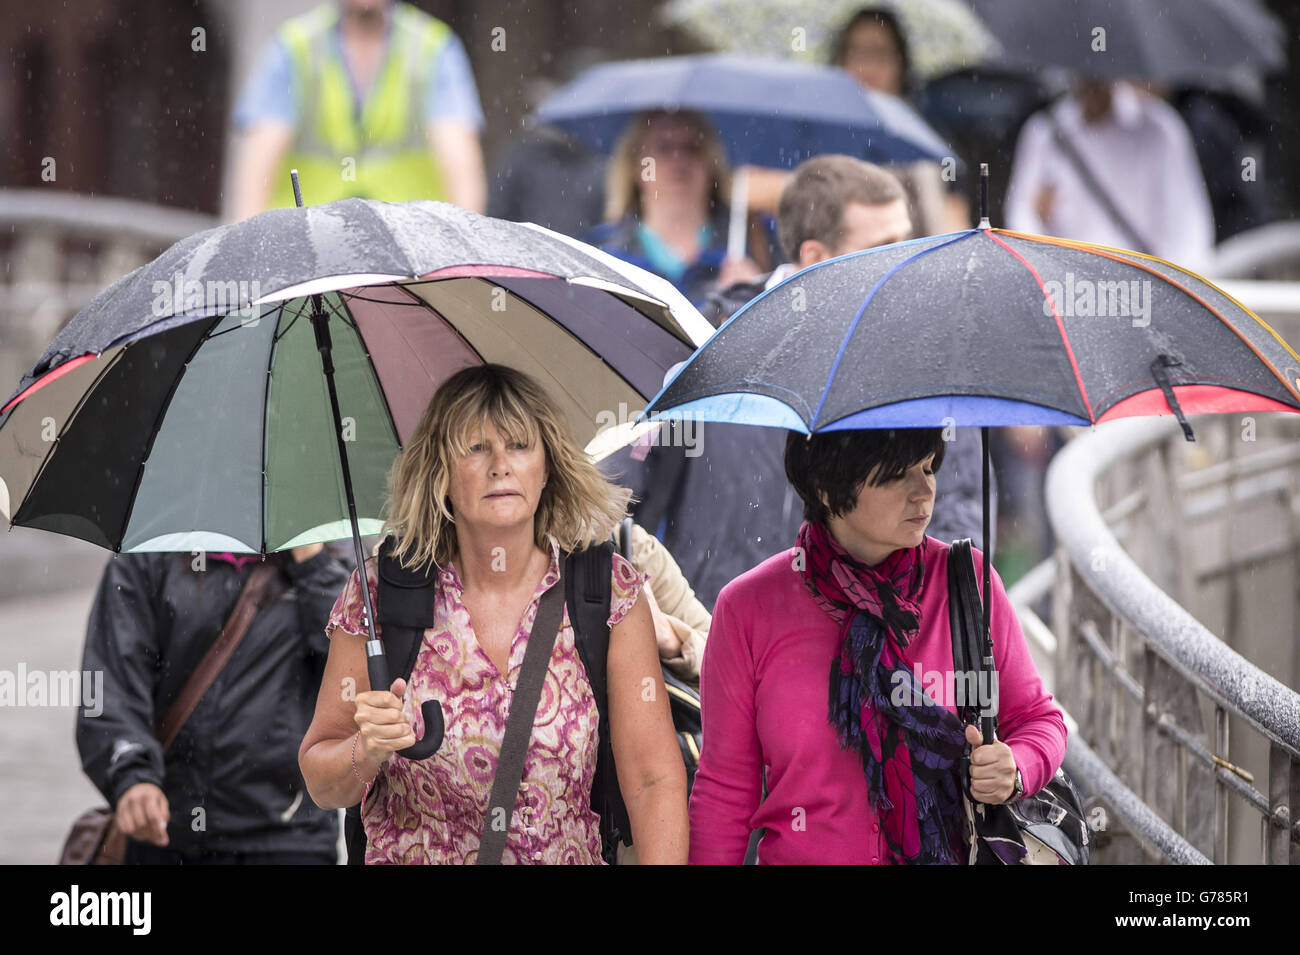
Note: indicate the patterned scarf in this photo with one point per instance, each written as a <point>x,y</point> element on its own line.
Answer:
<point>909,752</point>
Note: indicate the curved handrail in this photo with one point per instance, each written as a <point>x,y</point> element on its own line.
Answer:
<point>1180,639</point>
<point>1245,254</point>
<point>101,216</point>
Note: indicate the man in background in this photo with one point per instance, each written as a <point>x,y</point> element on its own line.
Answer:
<point>729,507</point>
<point>1115,166</point>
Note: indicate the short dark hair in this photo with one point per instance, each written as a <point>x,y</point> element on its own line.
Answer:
<point>838,464</point>
<point>813,201</point>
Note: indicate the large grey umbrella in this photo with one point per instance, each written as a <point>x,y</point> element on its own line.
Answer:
<point>248,390</point>
<point>1173,41</point>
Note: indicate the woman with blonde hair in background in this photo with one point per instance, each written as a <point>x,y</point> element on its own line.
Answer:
<point>666,192</point>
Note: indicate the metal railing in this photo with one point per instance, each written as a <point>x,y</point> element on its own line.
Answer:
<point>59,250</point>
<point>1180,736</point>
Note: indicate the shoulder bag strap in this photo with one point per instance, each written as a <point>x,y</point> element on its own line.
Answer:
<point>977,656</point>
<point>262,586</point>
<point>1062,141</point>
<point>519,726</point>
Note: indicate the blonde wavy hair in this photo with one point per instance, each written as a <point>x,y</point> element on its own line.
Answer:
<point>623,173</point>
<point>578,507</point>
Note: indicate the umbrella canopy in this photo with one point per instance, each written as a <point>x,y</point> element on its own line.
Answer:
<point>185,407</point>
<point>984,327</point>
<point>942,35</point>
<point>767,112</point>
<point>1173,41</point>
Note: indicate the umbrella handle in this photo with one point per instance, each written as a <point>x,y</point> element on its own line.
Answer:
<point>431,710</point>
<point>738,225</point>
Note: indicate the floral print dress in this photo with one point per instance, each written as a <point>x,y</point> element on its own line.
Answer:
<point>432,811</point>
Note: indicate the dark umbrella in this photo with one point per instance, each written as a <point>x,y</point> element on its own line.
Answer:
<point>185,407</point>
<point>985,327</point>
<point>1171,41</point>
<point>980,328</point>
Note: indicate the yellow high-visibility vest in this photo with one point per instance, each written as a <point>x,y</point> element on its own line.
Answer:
<point>383,156</point>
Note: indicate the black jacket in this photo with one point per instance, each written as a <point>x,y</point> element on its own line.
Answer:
<point>236,757</point>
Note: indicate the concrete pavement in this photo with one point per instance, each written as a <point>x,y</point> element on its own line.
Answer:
<point>42,788</point>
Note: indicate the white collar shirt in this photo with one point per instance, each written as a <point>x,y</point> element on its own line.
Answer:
<point>1142,155</point>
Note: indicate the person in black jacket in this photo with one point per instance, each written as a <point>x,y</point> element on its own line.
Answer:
<point>230,790</point>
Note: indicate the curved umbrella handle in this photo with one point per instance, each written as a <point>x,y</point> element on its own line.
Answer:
<point>431,710</point>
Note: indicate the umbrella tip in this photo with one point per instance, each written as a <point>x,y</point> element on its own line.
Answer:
<point>984,197</point>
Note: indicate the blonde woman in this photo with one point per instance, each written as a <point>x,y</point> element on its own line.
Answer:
<point>666,194</point>
<point>491,488</point>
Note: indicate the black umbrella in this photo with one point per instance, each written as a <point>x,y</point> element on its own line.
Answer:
<point>1167,40</point>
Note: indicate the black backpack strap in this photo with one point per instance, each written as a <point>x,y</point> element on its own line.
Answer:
<point>588,593</point>
<point>405,610</point>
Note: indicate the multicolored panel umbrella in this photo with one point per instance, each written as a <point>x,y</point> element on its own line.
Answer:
<point>186,409</point>
<point>984,327</point>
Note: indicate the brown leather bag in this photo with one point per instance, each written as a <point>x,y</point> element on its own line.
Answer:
<point>95,838</point>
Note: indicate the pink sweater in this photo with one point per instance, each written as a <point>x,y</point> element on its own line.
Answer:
<point>764,684</point>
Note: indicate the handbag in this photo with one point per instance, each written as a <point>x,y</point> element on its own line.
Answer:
<point>1043,828</point>
<point>95,838</point>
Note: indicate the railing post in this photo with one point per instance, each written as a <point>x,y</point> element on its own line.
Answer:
<point>1220,790</point>
<point>1150,733</point>
<point>1294,832</point>
<point>1280,820</point>
<point>1062,613</point>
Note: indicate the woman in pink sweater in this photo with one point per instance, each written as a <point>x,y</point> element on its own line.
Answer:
<point>828,675</point>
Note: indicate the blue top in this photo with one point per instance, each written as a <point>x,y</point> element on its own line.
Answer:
<point>662,258</point>
<point>631,241</point>
<point>271,91</point>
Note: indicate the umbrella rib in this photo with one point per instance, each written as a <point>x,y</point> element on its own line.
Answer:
<point>571,336</point>
<point>418,302</point>
<point>1105,252</point>
<point>266,411</point>
<point>853,326</point>
<point>551,318</point>
<point>1060,325</point>
<point>365,350</point>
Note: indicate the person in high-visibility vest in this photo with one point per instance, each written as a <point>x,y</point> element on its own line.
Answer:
<point>366,98</point>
